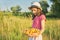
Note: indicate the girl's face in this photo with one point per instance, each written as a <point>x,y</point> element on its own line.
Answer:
<point>35,11</point>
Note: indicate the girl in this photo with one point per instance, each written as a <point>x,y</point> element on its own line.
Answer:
<point>38,20</point>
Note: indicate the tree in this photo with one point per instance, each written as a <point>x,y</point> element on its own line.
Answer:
<point>55,1</point>
<point>44,5</point>
<point>55,8</point>
<point>16,10</point>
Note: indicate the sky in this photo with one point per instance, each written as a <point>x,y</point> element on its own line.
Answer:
<point>24,4</point>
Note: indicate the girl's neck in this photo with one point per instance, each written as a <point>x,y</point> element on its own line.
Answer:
<point>39,14</point>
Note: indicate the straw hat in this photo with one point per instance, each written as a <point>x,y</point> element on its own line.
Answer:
<point>36,5</point>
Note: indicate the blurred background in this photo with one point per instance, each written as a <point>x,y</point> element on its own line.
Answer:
<point>15,17</point>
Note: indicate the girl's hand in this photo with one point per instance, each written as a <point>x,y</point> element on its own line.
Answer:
<point>30,35</point>
<point>35,34</point>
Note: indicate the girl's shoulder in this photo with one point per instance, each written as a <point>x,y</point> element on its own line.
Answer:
<point>42,17</point>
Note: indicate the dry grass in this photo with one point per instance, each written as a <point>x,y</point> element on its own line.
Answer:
<point>11,28</point>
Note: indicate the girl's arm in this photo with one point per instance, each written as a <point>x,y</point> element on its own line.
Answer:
<point>43,26</point>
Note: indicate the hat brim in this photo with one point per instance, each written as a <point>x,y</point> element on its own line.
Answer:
<point>33,7</point>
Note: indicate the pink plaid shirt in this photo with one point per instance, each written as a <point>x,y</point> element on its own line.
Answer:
<point>37,21</point>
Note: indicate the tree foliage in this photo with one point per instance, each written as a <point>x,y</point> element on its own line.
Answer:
<point>16,10</point>
<point>55,8</point>
<point>44,5</point>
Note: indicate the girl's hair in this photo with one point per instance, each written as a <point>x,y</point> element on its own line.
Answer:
<point>33,16</point>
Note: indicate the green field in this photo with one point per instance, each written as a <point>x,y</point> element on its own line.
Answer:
<point>11,28</point>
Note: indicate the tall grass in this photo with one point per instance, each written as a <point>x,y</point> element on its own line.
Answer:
<point>11,28</point>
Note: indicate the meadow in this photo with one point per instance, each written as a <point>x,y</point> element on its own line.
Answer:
<point>11,28</point>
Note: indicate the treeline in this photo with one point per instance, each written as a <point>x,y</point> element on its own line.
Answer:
<point>8,13</point>
<point>54,12</point>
